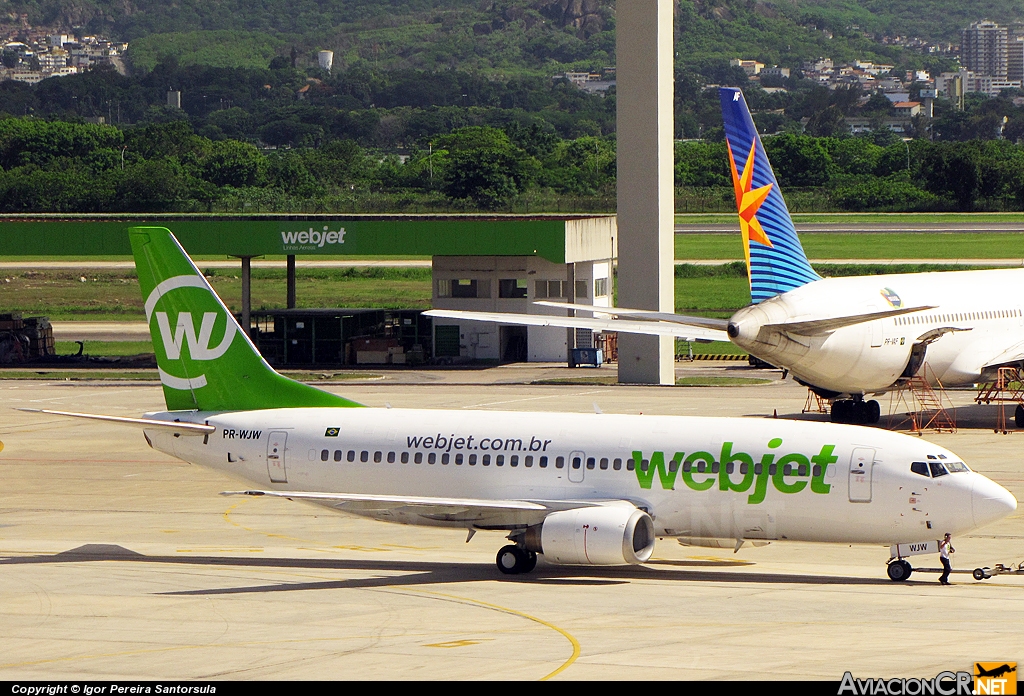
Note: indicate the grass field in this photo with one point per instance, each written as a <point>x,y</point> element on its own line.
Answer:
<point>699,290</point>
<point>863,218</point>
<point>82,375</point>
<point>105,348</point>
<point>866,245</point>
<point>115,295</point>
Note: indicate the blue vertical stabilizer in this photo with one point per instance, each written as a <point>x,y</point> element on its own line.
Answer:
<point>776,262</point>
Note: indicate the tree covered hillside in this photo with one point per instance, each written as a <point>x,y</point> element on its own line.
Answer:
<point>501,36</point>
<point>450,105</point>
<point>935,20</point>
<point>430,34</point>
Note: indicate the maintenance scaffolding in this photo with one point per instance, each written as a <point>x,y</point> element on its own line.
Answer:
<point>928,408</point>
<point>1006,389</point>
<point>816,404</point>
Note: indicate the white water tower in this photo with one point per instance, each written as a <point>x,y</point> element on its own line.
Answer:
<point>326,60</point>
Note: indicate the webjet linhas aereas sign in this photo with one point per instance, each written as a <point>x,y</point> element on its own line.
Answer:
<point>311,239</point>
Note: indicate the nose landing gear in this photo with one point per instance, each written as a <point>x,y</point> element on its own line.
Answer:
<point>856,411</point>
<point>899,570</point>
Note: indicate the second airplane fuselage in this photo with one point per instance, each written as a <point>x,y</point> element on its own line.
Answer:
<point>978,317</point>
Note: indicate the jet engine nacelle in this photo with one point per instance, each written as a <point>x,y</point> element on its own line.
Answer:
<point>594,536</point>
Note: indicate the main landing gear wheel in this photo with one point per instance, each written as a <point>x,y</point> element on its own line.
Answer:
<point>857,412</point>
<point>840,411</point>
<point>1018,416</point>
<point>874,412</point>
<point>898,571</point>
<point>513,560</point>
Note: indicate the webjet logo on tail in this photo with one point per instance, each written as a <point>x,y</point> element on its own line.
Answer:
<point>178,332</point>
<point>307,240</point>
<point>185,331</point>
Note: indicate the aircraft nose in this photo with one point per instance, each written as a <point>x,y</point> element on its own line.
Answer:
<point>990,501</point>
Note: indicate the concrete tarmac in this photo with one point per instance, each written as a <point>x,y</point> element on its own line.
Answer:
<point>122,563</point>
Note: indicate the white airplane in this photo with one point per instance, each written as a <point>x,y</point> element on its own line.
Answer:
<point>581,489</point>
<point>844,338</point>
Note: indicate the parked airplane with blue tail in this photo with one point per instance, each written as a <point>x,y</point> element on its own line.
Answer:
<point>844,338</point>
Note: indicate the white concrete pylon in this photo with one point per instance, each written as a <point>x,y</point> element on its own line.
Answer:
<point>646,200</point>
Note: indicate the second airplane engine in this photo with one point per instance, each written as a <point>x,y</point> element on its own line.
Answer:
<point>594,536</point>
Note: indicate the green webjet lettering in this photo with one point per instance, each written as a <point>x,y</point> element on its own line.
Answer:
<point>790,474</point>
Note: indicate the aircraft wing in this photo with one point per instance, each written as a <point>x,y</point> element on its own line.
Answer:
<point>1013,354</point>
<point>501,514</point>
<point>646,314</point>
<point>654,328</point>
<point>820,326</point>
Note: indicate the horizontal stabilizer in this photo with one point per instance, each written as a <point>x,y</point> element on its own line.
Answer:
<point>185,428</point>
<point>654,328</point>
<point>820,326</point>
<point>645,314</point>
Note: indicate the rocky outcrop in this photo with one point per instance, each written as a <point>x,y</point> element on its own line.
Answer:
<point>722,10</point>
<point>586,16</point>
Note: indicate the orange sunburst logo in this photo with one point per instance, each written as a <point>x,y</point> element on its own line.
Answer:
<point>749,201</point>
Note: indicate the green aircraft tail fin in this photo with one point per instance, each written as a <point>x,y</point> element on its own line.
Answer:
<point>206,362</point>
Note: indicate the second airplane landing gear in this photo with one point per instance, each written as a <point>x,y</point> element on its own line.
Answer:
<point>900,570</point>
<point>513,560</point>
<point>856,411</point>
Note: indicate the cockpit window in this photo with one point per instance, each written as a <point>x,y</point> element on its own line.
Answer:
<point>920,468</point>
<point>938,469</point>
<point>957,467</point>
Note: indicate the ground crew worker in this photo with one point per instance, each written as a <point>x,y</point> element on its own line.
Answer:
<point>945,548</point>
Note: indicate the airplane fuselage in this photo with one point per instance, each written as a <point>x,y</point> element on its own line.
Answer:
<point>581,489</point>
<point>697,477</point>
<point>978,316</point>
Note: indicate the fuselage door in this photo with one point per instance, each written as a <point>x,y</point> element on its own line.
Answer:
<point>275,457</point>
<point>875,328</point>
<point>577,466</point>
<point>862,461</point>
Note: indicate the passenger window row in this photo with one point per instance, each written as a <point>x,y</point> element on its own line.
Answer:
<point>577,462</point>
<point>433,458</point>
<point>458,458</point>
<point>957,316</point>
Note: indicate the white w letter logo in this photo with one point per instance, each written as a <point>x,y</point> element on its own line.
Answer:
<point>185,331</point>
